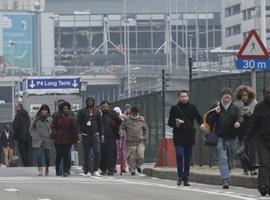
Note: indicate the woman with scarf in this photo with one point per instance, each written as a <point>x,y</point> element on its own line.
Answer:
<point>41,142</point>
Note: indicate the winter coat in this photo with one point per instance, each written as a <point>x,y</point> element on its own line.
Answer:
<point>63,129</point>
<point>223,122</point>
<point>96,122</point>
<point>21,126</point>
<point>246,112</point>
<point>184,135</point>
<point>111,123</point>
<point>41,132</point>
<point>7,142</point>
<point>136,130</point>
<point>260,123</point>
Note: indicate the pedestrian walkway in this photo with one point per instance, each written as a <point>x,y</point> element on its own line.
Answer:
<point>203,174</point>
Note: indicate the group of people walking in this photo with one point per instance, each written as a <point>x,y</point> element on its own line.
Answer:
<point>242,120</point>
<point>108,136</point>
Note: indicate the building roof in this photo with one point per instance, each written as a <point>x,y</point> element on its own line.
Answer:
<point>133,6</point>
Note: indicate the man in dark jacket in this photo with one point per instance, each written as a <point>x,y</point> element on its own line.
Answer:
<point>226,119</point>
<point>7,140</point>
<point>90,126</point>
<point>260,126</point>
<point>111,123</point>
<point>21,127</point>
<point>181,120</point>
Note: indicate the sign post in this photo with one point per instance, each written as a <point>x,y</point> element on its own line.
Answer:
<point>253,55</point>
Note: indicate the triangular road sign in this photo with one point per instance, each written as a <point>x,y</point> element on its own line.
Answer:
<point>253,48</point>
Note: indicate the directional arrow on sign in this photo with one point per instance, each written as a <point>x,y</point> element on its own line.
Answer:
<point>75,84</point>
<point>32,84</point>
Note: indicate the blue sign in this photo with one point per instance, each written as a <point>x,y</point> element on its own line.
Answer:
<point>63,83</point>
<point>253,64</point>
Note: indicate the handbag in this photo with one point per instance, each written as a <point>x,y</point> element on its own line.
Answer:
<point>211,139</point>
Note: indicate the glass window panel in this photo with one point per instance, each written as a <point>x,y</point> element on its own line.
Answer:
<point>82,17</point>
<point>66,17</point>
<point>144,40</point>
<point>97,39</point>
<point>96,17</point>
<point>66,23</point>
<point>158,38</point>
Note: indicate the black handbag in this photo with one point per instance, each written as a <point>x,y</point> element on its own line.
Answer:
<point>211,139</point>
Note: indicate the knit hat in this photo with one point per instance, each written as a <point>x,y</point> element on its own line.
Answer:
<point>226,90</point>
<point>127,106</point>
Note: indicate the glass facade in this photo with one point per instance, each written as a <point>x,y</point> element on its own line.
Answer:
<point>80,39</point>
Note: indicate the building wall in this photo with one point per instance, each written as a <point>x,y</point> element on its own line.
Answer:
<point>38,5</point>
<point>248,18</point>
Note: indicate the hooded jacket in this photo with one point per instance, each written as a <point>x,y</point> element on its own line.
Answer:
<point>136,130</point>
<point>21,126</point>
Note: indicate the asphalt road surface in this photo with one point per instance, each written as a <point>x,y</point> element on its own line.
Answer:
<point>24,184</point>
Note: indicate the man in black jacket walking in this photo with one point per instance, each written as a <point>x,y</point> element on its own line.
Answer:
<point>260,126</point>
<point>21,128</point>
<point>111,122</point>
<point>181,120</point>
<point>90,126</point>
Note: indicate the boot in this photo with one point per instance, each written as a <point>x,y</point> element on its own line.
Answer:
<point>185,180</point>
<point>40,171</point>
<point>47,171</point>
<point>263,189</point>
<point>179,181</point>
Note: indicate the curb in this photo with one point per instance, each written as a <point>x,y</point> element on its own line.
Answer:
<point>238,181</point>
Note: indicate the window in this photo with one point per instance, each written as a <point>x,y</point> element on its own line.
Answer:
<point>233,30</point>
<point>249,13</point>
<point>232,10</point>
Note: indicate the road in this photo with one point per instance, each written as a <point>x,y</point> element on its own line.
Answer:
<point>23,184</point>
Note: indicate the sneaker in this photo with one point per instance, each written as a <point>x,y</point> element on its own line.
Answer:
<point>226,185</point>
<point>139,170</point>
<point>245,173</point>
<point>110,173</point>
<point>132,173</point>
<point>95,173</point>
<point>103,173</point>
<point>253,173</point>
<point>65,174</point>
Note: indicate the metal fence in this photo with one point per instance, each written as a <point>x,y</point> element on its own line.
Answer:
<point>206,91</point>
<point>150,106</point>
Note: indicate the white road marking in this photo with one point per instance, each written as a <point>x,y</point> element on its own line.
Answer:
<point>11,189</point>
<point>43,199</point>
<point>112,180</point>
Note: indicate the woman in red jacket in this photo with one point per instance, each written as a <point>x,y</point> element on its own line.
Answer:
<point>64,135</point>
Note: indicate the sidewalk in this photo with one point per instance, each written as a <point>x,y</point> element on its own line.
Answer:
<point>204,174</point>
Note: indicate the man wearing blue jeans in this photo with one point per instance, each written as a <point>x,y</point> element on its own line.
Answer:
<point>226,119</point>
<point>181,120</point>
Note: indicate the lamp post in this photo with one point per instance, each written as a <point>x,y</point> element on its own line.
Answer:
<point>190,62</point>
<point>12,44</point>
